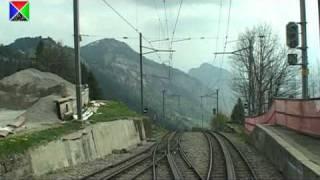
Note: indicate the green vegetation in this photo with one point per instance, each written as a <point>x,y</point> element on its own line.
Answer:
<point>219,122</point>
<point>18,144</point>
<point>237,115</point>
<point>111,111</point>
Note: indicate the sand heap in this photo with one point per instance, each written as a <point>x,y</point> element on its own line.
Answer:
<point>24,88</point>
<point>35,92</point>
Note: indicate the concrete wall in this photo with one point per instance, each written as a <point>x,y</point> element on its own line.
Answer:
<point>292,163</point>
<point>93,142</point>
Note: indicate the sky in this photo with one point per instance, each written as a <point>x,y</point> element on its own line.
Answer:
<point>198,18</point>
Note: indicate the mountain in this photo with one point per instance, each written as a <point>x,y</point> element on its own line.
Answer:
<point>216,78</point>
<point>116,67</point>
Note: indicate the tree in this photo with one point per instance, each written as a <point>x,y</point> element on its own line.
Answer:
<point>94,89</point>
<point>237,115</point>
<point>270,70</point>
<point>39,53</point>
<point>219,121</point>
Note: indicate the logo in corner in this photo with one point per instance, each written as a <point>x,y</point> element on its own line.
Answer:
<point>19,10</point>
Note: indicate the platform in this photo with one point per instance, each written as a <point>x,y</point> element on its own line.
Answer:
<point>296,155</point>
<point>309,146</point>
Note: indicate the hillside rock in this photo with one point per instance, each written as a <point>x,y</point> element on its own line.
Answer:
<point>116,67</point>
<point>216,78</point>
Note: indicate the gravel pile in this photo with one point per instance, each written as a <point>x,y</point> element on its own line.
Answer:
<point>24,88</point>
<point>42,112</point>
<point>34,91</point>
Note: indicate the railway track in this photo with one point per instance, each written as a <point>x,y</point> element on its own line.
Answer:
<point>235,164</point>
<point>167,159</point>
<point>132,167</point>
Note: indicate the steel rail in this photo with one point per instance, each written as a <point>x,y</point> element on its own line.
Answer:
<point>230,170</point>
<point>173,166</point>
<point>154,159</point>
<point>147,168</point>
<point>122,169</point>
<point>252,172</point>
<point>117,164</point>
<point>186,159</point>
<point>210,156</point>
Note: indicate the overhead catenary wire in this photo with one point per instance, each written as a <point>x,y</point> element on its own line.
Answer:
<point>158,14</point>
<point>173,34</point>
<point>176,22</point>
<point>129,24</point>
<point>226,39</point>
<point>218,30</point>
<point>166,17</point>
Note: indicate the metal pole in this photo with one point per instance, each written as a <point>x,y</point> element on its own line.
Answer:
<point>217,101</point>
<point>261,94</point>
<point>163,104</point>
<point>201,105</point>
<point>250,94</point>
<point>319,15</point>
<point>77,57</point>
<point>141,75</point>
<point>305,94</point>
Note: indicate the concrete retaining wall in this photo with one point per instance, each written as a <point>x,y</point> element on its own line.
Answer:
<point>93,142</point>
<point>292,163</point>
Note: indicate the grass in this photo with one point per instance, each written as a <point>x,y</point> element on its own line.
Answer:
<point>20,143</point>
<point>240,131</point>
<point>112,111</point>
<point>17,144</point>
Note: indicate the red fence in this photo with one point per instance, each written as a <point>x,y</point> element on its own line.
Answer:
<point>300,115</point>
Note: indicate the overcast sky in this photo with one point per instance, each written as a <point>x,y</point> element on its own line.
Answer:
<point>198,18</point>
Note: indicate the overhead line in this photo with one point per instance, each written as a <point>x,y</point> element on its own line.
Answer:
<point>228,26</point>
<point>226,40</point>
<point>176,23</point>
<point>128,23</point>
<point>158,14</point>
<point>123,18</point>
<point>173,34</point>
<point>218,32</point>
<point>166,16</point>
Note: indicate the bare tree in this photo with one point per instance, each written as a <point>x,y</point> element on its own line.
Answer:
<point>270,71</point>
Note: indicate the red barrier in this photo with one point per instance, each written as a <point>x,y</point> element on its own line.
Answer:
<point>299,115</point>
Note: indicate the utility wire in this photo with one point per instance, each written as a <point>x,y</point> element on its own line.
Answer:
<point>173,34</point>
<point>176,23</point>
<point>123,18</point>
<point>158,14</point>
<point>166,16</point>
<point>228,26</point>
<point>226,40</point>
<point>128,23</point>
<point>218,31</point>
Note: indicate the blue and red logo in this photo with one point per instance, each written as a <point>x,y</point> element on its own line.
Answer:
<point>19,10</point>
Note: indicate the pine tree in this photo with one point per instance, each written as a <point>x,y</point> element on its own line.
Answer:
<point>241,114</point>
<point>94,89</point>
<point>237,115</point>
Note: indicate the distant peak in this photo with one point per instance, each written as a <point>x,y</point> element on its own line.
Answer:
<point>108,41</point>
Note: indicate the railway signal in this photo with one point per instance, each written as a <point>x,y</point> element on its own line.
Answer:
<point>292,35</point>
<point>292,59</point>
